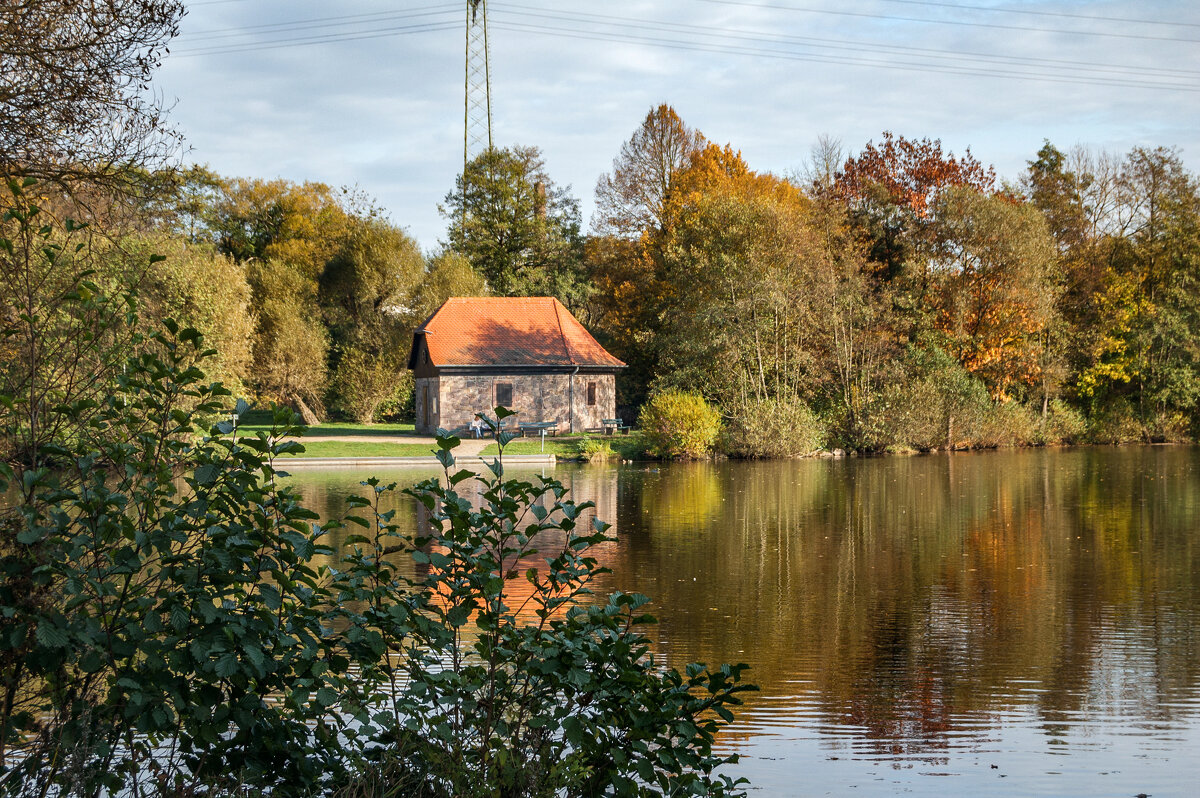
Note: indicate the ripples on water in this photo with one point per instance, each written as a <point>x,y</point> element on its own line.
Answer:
<point>998,623</point>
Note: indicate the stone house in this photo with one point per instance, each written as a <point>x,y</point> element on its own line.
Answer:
<point>528,354</point>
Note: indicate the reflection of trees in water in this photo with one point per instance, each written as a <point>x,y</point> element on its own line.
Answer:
<point>912,598</point>
<point>326,492</point>
<point>916,595</point>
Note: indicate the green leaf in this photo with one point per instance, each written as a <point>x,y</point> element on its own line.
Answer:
<point>227,665</point>
<point>51,636</point>
<point>573,730</point>
<point>207,474</point>
<point>30,536</point>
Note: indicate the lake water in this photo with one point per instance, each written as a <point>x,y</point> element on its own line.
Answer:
<point>1021,623</point>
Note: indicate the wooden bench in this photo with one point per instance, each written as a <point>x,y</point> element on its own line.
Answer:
<point>539,428</point>
<point>611,426</point>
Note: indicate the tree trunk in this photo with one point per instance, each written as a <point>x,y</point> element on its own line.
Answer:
<point>306,414</point>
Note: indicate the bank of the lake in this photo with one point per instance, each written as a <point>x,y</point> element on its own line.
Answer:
<point>915,621</point>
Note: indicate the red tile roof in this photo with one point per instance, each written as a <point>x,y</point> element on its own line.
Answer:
<point>509,331</point>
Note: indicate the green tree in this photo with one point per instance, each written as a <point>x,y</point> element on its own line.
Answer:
<point>291,344</point>
<point>1057,192</point>
<point>516,227</point>
<point>366,291</point>
<point>1164,206</point>
<point>448,274</point>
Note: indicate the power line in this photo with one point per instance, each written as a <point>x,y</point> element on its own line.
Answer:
<point>1088,73</point>
<point>905,66</point>
<point>927,21</point>
<point>1059,14</point>
<point>315,22</point>
<point>844,44</point>
<point>378,33</point>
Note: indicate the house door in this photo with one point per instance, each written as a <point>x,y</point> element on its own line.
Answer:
<point>424,400</point>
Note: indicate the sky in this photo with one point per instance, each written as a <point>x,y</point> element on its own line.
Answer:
<point>370,94</point>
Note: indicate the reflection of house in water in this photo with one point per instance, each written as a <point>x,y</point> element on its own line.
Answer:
<point>596,484</point>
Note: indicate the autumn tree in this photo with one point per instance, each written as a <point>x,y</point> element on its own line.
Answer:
<point>77,127</point>
<point>286,236</point>
<point>291,345</point>
<point>994,287</point>
<point>632,197</point>
<point>303,224</point>
<point>892,190</point>
<point>737,265</point>
<point>196,286</point>
<point>1144,351</point>
<point>825,160</point>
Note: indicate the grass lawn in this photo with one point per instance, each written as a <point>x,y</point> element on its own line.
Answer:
<point>340,429</point>
<point>559,447</point>
<point>364,449</point>
<point>627,447</point>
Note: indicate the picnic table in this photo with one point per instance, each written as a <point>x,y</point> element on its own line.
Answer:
<point>539,427</point>
<point>611,426</point>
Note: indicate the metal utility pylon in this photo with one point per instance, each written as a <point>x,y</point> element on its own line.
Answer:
<point>477,111</point>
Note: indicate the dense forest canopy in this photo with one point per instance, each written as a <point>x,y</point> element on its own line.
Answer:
<point>898,296</point>
<point>901,295</point>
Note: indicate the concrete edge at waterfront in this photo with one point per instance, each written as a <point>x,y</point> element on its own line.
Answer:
<point>293,463</point>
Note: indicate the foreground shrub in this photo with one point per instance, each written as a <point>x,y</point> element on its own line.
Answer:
<point>169,623</point>
<point>783,427</point>
<point>518,682</point>
<point>679,425</point>
<point>162,617</point>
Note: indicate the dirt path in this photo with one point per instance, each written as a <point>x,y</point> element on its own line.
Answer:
<point>470,447</point>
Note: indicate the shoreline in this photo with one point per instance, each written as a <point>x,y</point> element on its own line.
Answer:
<point>550,459</point>
<point>425,461</point>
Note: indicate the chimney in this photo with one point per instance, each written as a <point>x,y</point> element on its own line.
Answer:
<point>539,199</point>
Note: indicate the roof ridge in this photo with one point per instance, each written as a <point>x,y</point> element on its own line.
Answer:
<point>561,333</point>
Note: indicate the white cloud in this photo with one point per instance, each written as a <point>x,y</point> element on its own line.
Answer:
<point>386,113</point>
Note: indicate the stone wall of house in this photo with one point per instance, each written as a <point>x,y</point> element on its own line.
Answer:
<point>535,397</point>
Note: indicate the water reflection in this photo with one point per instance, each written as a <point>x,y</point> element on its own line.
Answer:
<point>915,621</point>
